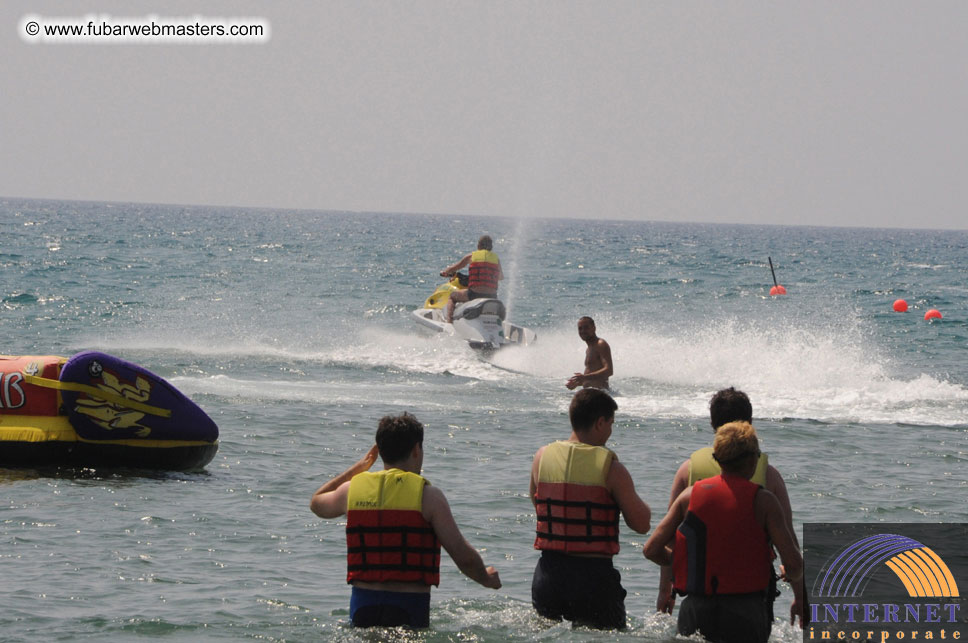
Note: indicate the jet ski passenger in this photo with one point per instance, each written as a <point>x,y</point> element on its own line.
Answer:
<point>484,273</point>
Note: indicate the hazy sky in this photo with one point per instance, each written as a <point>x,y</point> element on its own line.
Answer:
<point>819,112</point>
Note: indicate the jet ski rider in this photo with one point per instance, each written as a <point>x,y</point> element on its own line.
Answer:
<point>484,274</point>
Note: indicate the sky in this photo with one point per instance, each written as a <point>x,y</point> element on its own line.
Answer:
<point>821,113</point>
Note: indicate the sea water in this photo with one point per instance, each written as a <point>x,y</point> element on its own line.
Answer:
<point>292,330</point>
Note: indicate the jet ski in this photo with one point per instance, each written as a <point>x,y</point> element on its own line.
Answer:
<point>480,322</point>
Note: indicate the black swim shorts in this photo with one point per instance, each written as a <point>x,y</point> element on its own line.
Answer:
<point>585,591</point>
<point>731,618</point>
<point>473,294</point>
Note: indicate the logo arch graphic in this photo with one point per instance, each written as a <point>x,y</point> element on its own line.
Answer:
<point>922,571</point>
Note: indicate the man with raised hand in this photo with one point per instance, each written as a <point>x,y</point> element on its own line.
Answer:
<point>396,524</point>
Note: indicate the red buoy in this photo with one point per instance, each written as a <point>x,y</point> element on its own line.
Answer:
<point>900,306</point>
<point>777,290</point>
<point>932,314</point>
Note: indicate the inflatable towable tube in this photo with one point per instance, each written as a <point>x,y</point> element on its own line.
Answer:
<point>98,410</point>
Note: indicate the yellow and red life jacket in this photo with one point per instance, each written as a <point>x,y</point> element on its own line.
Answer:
<point>720,548</point>
<point>702,465</point>
<point>484,271</point>
<point>576,512</point>
<point>387,537</point>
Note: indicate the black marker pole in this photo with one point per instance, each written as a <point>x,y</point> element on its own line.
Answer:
<point>777,289</point>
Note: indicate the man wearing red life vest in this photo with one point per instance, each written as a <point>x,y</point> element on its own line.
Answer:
<point>396,524</point>
<point>729,405</point>
<point>578,488</point>
<point>484,273</point>
<point>717,536</point>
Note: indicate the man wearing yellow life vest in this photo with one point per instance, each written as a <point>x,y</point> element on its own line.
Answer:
<point>718,538</point>
<point>578,488</point>
<point>484,273</point>
<point>729,405</point>
<point>396,524</point>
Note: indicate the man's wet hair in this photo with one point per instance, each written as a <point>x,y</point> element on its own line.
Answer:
<point>734,443</point>
<point>729,405</point>
<point>587,406</point>
<point>485,243</point>
<point>397,435</point>
<point>588,319</point>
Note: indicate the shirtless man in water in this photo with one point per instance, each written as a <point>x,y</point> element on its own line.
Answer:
<point>598,359</point>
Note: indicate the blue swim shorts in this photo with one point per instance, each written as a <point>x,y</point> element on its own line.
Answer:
<point>372,608</point>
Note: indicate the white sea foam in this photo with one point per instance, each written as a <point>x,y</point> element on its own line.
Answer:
<point>414,352</point>
<point>304,391</point>
<point>829,373</point>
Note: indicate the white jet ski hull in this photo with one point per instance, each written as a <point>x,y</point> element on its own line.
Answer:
<point>479,322</point>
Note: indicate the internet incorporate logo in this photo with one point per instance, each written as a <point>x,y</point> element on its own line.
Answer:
<point>887,583</point>
<point>922,571</point>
